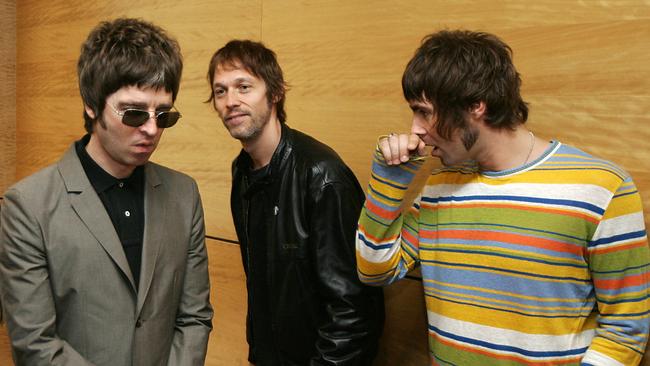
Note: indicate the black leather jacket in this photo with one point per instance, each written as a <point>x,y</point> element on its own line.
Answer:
<point>320,312</point>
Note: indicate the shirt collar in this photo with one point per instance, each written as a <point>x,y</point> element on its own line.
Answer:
<point>100,179</point>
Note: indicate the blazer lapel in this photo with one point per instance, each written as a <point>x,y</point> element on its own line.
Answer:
<point>154,224</point>
<point>91,211</point>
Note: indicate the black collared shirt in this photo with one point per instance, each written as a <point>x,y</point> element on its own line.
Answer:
<point>124,202</point>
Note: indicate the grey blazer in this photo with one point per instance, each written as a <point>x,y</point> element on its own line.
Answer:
<point>66,287</point>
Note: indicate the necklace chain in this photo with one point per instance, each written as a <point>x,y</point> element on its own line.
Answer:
<point>532,145</point>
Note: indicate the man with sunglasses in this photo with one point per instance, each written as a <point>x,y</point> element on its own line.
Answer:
<point>102,255</point>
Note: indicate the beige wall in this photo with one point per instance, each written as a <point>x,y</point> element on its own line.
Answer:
<point>7,93</point>
<point>584,65</point>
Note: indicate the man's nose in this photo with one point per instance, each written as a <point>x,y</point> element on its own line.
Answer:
<point>232,99</point>
<point>150,127</point>
<point>417,127</point>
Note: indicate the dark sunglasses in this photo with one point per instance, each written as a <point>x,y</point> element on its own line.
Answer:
<point>137,117</point>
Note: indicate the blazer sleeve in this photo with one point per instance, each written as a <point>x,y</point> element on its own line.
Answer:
<point>194,314</point>
<point>25,289</point>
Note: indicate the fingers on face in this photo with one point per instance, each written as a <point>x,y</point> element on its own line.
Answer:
<point>414,142</point>
<point>393,144</point>
<point>396,149</point>
<point>404,150</point>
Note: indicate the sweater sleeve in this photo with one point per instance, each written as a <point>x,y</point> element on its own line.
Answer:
<point>619,261</point>
<point>387,239</point>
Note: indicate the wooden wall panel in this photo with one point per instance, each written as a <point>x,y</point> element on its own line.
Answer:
<point>227,344</point>
<point>583,63</point>
<point>5,349</point>
<point>7,93</point>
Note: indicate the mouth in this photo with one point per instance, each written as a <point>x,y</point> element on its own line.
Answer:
<point>434,150</point>
<point>233,117</point>
<point>144,147</point>
<point>428,142</point>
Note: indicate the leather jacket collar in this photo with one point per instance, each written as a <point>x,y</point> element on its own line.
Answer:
<point>280,157</point>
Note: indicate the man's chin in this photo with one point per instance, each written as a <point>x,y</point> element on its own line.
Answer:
<point>139,160</point>
<point>243,136</point>
<point>240,137</point>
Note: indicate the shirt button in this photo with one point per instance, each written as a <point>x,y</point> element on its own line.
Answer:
<point>121,184</point>
<point>127,213</point>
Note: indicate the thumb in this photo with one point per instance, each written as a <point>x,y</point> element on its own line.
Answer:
<point>416,145</point>
<point>421,148</point>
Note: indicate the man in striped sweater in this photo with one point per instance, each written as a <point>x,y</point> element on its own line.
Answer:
<point>532,252</point>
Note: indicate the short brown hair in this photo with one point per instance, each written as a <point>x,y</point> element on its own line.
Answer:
<point>455,69</point>
<point>126,52</point>
<point>260,61</point>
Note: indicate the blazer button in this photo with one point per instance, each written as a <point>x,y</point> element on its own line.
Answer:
<point>138,323</point>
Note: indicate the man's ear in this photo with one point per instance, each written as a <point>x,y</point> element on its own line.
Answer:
<point>89,111</point>
<point>478,109</point>
<point>476,113</point>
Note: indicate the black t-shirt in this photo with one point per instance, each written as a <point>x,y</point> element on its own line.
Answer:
<point>259,292</point>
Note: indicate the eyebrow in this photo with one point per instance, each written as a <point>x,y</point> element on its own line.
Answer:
<point>420,107</point>
<point>238,80</point>
<point>141,105</point>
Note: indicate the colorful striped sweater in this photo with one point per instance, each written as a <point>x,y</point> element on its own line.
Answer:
<point>546,264</point>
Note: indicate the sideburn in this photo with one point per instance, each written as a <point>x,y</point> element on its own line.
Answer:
<point>98,121</point>
<point>95,121</point>
<point>101,122</point>
<point>469,137</point>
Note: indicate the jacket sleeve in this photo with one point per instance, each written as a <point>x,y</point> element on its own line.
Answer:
<point>619,262</point>
<point>194,314</point>
<point>387,239</point>
<point>25,290</point>
<point>355,312</point>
